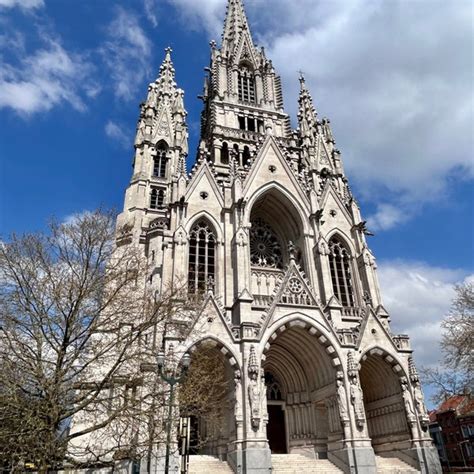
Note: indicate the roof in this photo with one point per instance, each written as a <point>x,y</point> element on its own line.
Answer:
<point>461,404</point>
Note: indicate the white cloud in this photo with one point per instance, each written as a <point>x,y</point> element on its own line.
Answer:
<point>24,4</point>
<point>394,77</point>
<point>126,53</point>
<point>118,134</point>
<point>42,80</point>
<point>208,15</point>
<point>417,297</point>
<point>388,216</point>
<point>151,7</point>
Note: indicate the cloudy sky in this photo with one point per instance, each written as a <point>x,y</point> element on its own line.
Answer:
<point>394,77</point>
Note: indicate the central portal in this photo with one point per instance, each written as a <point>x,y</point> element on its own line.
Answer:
<point>300,381</point>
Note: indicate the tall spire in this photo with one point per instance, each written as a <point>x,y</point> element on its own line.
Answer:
<point>235,23</point>
<point>306,112</point>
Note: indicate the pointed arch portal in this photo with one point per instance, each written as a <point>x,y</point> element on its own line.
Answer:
<point>300,373</point>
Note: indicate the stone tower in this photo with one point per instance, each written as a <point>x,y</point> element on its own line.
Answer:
<point>266,229</point>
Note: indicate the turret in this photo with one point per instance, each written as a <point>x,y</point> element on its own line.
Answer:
<point>161,147</point>
<point>242,96</point>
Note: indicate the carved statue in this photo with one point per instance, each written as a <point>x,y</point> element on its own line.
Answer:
<point>357,400</point>
<point>238,396</point>
<point>254,398</point>
<point>323,247</point>
<point>254,389</point>
<point>408,402</point>
<point>341,399</point>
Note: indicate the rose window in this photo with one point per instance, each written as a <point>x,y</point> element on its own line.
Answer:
<point>295,286</point>
<point>265,248</point>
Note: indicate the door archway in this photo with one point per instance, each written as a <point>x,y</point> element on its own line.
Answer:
<point>302,378</point>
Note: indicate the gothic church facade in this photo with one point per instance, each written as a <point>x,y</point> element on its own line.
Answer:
<point>266,227</point>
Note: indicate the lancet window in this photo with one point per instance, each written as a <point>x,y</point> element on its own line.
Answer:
<point>160,161</point>
<point>202,258</point>
<point>340,264</point>
<point>157,198</point>
<point>246,85</point>
<point>265,246</point>
<point>225,153</point>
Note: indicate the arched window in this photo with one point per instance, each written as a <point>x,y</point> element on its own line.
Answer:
<point>225,154</point>
<point>157,198</point>
<point>246,156</point>
<point>160,160</point>
<point>202,258</point>
<point>340,264</point>
<point>246,85</point>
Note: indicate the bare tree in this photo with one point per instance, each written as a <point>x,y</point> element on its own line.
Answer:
<point>74,312</point>
<point>457,367</point>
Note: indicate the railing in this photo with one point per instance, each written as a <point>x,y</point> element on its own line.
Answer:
<point>351,312</point>
<point>402,341</point>
<point>264,282</point>
<point>237,133</point>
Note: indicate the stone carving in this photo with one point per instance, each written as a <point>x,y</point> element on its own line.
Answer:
<point>357,401</point>
<point>241,238</point>
<point>180,237</point>
<point>407,401</point>
<point>369,259</point>
<point>341,398</point>
<point>420,406</point>
<point>323,248</point>
<point>255,389</point>
<point>238,409</point>
<point>357,397</point>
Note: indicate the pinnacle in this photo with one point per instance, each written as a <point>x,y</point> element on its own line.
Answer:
<point>235,23</point>
<point>165,80</point>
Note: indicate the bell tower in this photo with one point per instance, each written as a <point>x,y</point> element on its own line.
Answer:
<point>161,147</point>
<point>242,96</point>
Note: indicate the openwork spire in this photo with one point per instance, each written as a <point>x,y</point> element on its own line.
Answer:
<point>235,23</point>
<point>165,83</point>
<point>306,112</point>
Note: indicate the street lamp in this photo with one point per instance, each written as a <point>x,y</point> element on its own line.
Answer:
<point>171,378</point>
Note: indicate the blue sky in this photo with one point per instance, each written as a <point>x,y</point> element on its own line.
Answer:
<point>394,77</point>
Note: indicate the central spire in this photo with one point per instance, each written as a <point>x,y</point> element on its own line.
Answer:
<point>235,23</point>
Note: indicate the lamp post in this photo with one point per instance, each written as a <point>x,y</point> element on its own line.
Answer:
<point>171,378</point>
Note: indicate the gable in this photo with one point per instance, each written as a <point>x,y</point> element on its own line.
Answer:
<point>271,166</point>
<point>203,193</point>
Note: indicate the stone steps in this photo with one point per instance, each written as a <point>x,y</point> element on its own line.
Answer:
<point>299,464</point>
<point>393,465</point>
<point>201,464</point>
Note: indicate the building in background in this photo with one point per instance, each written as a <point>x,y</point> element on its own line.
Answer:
<point>452,429</point>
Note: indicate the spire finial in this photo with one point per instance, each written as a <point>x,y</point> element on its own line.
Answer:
<point>235,23</point>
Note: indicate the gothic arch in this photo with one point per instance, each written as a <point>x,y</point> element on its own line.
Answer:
<point>212,221</point>
<point>304,360</point>
<point>381,377</point>
<point>391,359</point>
<point>278,189</point>
<point>344,238</point>
<point>212,341</point>
<point>313,328</point>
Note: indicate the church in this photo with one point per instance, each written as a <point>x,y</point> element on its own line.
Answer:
<point>266,227</point>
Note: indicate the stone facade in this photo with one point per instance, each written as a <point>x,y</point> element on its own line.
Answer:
<point>266,227</point>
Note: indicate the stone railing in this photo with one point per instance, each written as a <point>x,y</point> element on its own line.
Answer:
<point>237,133</point>
<point>351,312</point>
<point>264,282</point>
<point>402,341</point>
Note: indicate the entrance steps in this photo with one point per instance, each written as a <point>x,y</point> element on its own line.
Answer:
<point>393,466</point>
<point>299,464</point>
<point>200,464</point>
